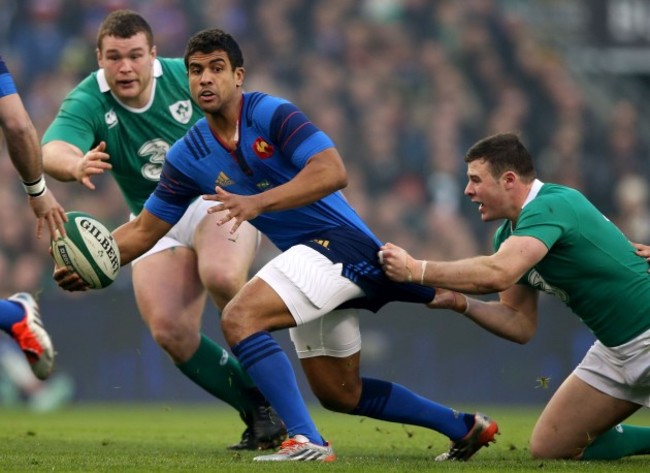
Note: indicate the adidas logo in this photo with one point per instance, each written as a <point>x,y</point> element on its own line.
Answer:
<point>223,180</point>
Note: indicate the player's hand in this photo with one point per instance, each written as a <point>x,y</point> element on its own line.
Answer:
<point>69,280</point>
<point>47,209</point>
<point>93,162</point>
<point>239,208</point>
<point>396,263</point>
<point>642,250</point>
<point>446,299</point>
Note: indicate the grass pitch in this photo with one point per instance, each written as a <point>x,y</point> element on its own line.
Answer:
<point>174,438</point>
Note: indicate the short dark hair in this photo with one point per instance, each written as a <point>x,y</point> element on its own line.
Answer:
<point>207,41</point>
<point>124,24</point>
<point>503,152</point>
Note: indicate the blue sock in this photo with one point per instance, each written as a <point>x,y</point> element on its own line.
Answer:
<point>10,313</point>
<point>394,403</point>
<point>269,367</point>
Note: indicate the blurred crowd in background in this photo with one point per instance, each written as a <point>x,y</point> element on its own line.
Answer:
<point>403,87</point>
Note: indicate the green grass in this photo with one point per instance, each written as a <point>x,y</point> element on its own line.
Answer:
<point>137,438</point>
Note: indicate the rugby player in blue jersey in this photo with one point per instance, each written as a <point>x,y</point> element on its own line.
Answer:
<point>272,167</point>
<point>19,315</point>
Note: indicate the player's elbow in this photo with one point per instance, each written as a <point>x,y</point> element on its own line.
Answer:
<point>521,338</point>
<point>19,129</point>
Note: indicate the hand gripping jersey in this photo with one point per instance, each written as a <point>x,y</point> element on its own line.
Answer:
<point>591,266</point>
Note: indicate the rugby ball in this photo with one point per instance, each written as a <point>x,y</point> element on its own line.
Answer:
<point>89,250</point>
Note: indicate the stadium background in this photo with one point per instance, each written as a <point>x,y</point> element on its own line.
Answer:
<point>403,87</point>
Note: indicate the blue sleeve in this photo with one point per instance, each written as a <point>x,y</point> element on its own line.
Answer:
<point>7,86</point>
<point>172,196</point>
<point>290,129</point>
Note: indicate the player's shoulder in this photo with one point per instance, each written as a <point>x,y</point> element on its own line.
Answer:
<point>558,196</point>
<point>258,101</point>
<point>194,143</point>
<point>172,69</point>
<point>87,93</point>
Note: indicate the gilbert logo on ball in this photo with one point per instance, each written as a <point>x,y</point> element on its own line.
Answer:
<point>89,249</point>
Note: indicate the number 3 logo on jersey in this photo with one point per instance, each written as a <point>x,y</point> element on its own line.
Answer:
<point>181,111</point>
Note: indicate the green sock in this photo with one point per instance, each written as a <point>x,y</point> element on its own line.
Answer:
<point>618,442</point>
<point>220,374</point>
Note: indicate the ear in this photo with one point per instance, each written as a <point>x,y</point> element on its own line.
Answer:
<point>509,179</point>
<point>240,73</point>
<point>98,53</point>
<point>154,52</point>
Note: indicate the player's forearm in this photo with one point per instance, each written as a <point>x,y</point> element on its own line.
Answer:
<point>319,178</point>
<point>61,159</point>
<point>500,320</point>
<point>479,275</point>
<point>24,150</point>
<point>139,235</point>
<point>131,242</point>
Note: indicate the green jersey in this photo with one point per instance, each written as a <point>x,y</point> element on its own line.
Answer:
<point>590,265</point>
<point>137,140</point>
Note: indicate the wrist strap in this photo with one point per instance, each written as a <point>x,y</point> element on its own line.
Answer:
<point>35,188</point>
<point>466,311</point>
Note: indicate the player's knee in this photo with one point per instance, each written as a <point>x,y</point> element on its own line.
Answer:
<point>543,450</point>
<point>234,323</point>
<point>224,284</point>
<point>170,337</point>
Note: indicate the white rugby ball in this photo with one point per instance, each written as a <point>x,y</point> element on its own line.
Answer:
<point>89,250</point>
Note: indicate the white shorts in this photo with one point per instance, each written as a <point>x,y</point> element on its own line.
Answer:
<point>181,234</point>
<point>622,372</point>
<point>312,287</point>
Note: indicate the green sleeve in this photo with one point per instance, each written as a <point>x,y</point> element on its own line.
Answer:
<point>77,122</point>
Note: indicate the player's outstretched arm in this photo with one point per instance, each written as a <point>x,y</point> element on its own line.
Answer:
<point>65,162</point>
<point>25,153</point>
<point>136,237</point>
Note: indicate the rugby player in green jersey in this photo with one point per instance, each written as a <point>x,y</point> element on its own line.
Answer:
<point>123,118</point>
<point>553,240</point>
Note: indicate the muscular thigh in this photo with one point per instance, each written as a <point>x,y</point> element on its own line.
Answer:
<point>224,259</point>
<point>576,414</point>
<point>168,290</point>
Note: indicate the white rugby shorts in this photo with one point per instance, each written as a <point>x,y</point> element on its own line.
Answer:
<point>181,234</point>
<point>312,287</point>
<point>622,372</point>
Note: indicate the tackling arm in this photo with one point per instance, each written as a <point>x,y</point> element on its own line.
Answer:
<point>478,275</point>
<point>513,316</point>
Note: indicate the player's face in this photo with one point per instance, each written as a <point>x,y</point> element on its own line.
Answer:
<point>213,83</point>
<point>128,66</point>
<point>486,191</point>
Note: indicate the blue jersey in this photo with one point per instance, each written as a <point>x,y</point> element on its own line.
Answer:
<point>275,142</point>
<point>7,86</point>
